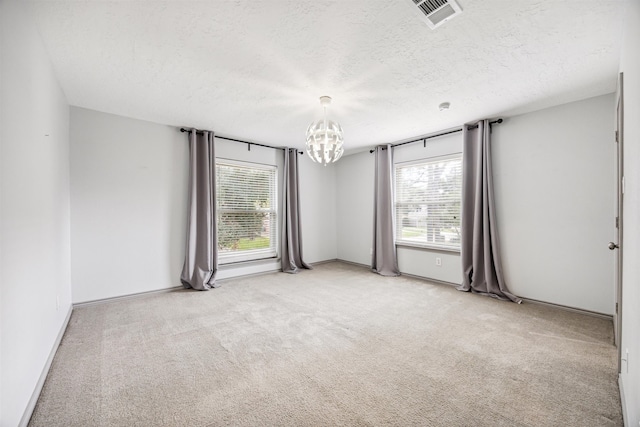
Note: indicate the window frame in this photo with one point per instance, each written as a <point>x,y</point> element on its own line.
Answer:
<point>431,246</point>
<point>251,255</point>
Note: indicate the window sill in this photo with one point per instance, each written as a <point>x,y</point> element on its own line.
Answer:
<point>428,248</point>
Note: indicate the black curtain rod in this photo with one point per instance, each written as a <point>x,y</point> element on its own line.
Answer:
<point>249,144</point>
<point>490,123</point>
<point>436,135</point>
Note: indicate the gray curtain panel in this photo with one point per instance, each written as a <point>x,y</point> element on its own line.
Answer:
<point>291,241</point>
<point>384,260</point>
<point>480,252</point>
<point>201,254</point>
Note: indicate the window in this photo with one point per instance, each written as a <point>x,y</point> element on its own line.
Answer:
<point>427,203</point>
<point>246,211</point>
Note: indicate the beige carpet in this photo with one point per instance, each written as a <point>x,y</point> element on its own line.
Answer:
<point>336,346</point>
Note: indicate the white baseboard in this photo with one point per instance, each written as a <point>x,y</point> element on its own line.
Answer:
<point>427,279</point>
<point>413,276</point>
<point>354,263</point>
<point>180,288</point>
<point>529,300</point>
<point>326,261</point>
<point>124,297</point>
<point>625,417</point>
<point>564,307</point>
<point>244,276</point>
<point>24,421</point>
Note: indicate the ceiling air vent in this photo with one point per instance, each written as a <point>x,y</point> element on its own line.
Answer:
<point>436,12</point>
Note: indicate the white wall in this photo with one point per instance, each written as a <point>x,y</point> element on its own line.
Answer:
<point>554,188</point>
<point>35,289</point>
<point>630,66</point>
<point>317,210</point>
<point>354,205</point>
<point>422,263</point>
<point>554,195</point>
<point>128,198</point>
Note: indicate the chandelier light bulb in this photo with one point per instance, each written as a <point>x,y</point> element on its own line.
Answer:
<point>324,138</point>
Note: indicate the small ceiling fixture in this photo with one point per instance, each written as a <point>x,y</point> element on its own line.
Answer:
<point>324,138</point>
<point>444,106</point>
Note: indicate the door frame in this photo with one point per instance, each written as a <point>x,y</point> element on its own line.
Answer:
<point>619,176</point>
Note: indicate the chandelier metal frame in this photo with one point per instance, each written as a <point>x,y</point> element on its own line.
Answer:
<point>325,138</point>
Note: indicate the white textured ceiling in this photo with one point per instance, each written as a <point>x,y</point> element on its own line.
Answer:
<point>255,69</point>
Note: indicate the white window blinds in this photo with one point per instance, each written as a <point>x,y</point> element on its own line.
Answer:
<point>428,196</point>
<point>246,203</point>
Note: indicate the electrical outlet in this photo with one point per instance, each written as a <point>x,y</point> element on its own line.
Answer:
<point>370,251</point>
<point>438,261</point>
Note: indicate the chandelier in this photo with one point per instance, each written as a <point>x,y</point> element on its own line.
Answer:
<point>324,138</point>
